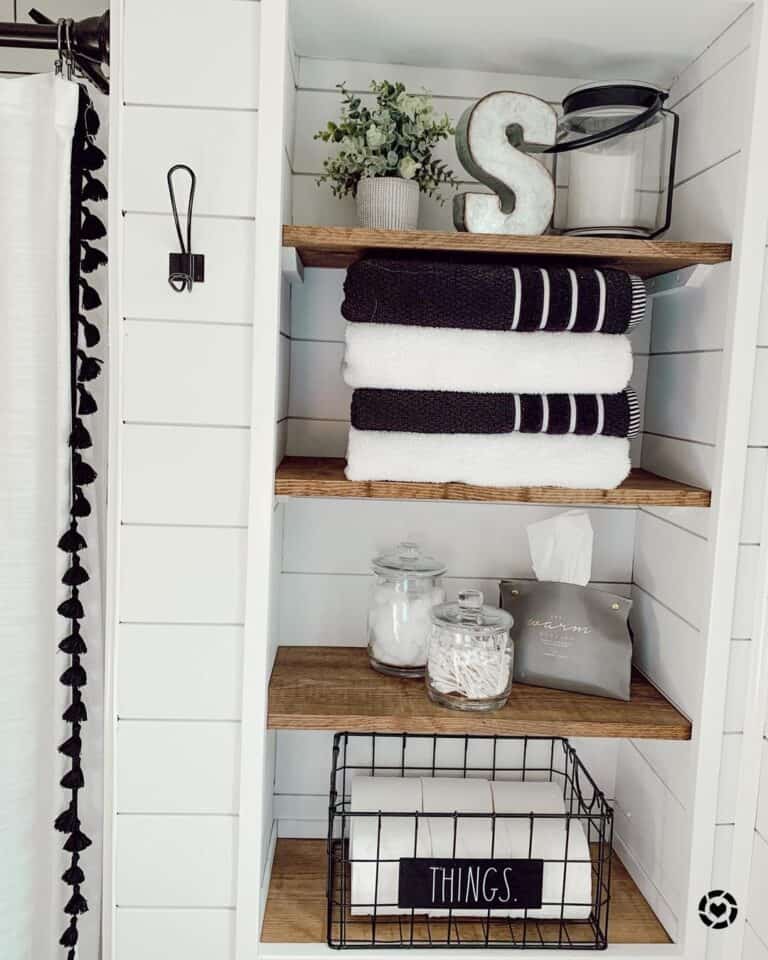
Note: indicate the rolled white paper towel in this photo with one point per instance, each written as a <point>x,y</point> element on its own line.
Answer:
<point>398,834</point>
<point>473,834</point>
<point>513,841</point>
<point>524,796</point>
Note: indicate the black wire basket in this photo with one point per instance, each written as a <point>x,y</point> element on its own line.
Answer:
<point>382,920</point>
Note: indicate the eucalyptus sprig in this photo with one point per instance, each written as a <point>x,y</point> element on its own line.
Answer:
<point>393,138</point>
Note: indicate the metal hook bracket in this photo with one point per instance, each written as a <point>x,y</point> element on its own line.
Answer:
<point>185,268</point>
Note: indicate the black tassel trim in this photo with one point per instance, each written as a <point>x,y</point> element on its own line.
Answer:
<point>76,574</point>
<point>91,299</point>
<point>79,438</point>
<point>91,333</point>
<point>92,122</point>
<point>69,937</point>
<point>72,747</point>
<point>74,676</point>
<point>73,779</point>
<point>80,506</point>
<point>71,608</point>
<point>67,821</point>
<point>72,540</point>
<point>94,189</point>
<point>73,643</point>
<point>76,904</point>
<point>86,404</point>
<point>82,472</point>
<point>90,367</point>
<point>93,258</point>
<point>75,712</point>
<point>92,157</point>
<point>92,228</point>
<point>76,842</point>
<point>73,876</point>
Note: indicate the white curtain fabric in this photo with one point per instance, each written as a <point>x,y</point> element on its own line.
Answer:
<point>37,119</point>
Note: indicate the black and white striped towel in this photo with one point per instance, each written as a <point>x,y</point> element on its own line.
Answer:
<point>440,411</point>
<point>491,295</point>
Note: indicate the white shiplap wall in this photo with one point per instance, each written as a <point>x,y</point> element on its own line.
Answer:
<point>183,444</point>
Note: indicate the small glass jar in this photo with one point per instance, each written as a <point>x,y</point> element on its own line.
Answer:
<point>469,662</point>
<point>405,589</point>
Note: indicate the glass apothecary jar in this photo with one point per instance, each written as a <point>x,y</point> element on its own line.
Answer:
<point>405,588</point>
<point>469,661</point>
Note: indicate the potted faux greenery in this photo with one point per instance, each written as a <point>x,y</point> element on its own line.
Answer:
<point>384,154</point>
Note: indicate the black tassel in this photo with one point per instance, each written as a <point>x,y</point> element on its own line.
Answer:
<point>86,404</point>
<point>72,540</point>
<point>67,821</point>
<point>74,676</point>
<point>75,712</point>
<point>69,937</point>
<point>76,842</point>
<point>92,228</point>
<point>76,904</point>
<point>94,189</point>
<point>73,876</point>
<point>79,438</point>
<point>92,122</point>
<point>80,505</point>
<point>71,608</point>
<point>90,367</point>
<point>72,747</point>
<point>73,643</point>
<point>73,779</point>
<point>82,472</point>
<point>93,258</point>
<point>92,157</point>
<point>76,574</point>
<point>91,299</point>
<point>91,333</point>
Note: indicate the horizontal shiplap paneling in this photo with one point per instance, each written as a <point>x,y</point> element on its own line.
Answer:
<point>739,666</point>
<point>746,586</point>
<point>758,888</point>
<point>175,861</point>
<point>704,205</point>
<point>730,762</point>
<point>219,145</point>
<point>203,73</point>
<point>758,425</point>
<point>179,672</point>
<point>186,373</point>
<point>670,566</point>
<point>226,295</point>
<point>182,575</point>
<point>692,317</point>
<point>185,474</point>
<point>195,934</point>
<point>683,395</point>
<point>477,540</point>
<point>177,767</point>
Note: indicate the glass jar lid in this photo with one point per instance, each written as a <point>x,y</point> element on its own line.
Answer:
<point>470,615</point>
<point>407,560</point>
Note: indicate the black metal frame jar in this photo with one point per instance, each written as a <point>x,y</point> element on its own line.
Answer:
<point>616,156</point>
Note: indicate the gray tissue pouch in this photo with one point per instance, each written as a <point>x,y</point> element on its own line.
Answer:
<point>569,637</point>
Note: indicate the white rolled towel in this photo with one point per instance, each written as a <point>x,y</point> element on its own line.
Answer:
<point>489,460</point>
<point>551,841</point>
<point>398,835</point>
<point>399,357</point>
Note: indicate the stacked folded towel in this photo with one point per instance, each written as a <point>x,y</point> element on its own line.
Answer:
<point>488,374</point>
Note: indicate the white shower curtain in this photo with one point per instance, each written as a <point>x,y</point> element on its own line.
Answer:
<point>37,120</point>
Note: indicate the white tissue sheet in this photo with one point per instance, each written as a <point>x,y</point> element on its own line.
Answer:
<point>561,547</point>
<point>489,460</point>
<point>385,794</point>
<point>474,838</point>
<point>399,357</point>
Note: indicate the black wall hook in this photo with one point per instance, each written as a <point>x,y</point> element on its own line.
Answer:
<point>185,268</point>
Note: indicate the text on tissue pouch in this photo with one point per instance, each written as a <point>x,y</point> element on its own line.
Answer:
<point>555,623</point>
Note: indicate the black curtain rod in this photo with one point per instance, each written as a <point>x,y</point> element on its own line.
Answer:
<point>90,37</point>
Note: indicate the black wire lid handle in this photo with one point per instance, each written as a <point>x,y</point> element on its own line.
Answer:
<point>185,268</point>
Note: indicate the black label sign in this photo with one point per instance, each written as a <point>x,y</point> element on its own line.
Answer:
<point>484,884</point>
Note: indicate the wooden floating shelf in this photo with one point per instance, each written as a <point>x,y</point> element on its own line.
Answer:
<point>340,246</point>
<point>324,477</point>
<point>296,905</point>
<point>334,688</point>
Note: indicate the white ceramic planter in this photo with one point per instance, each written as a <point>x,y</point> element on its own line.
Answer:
<point>389,203</point>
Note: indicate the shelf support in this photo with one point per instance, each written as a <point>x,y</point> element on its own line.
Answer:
<point>292,266</point>
<point>694,276</point>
